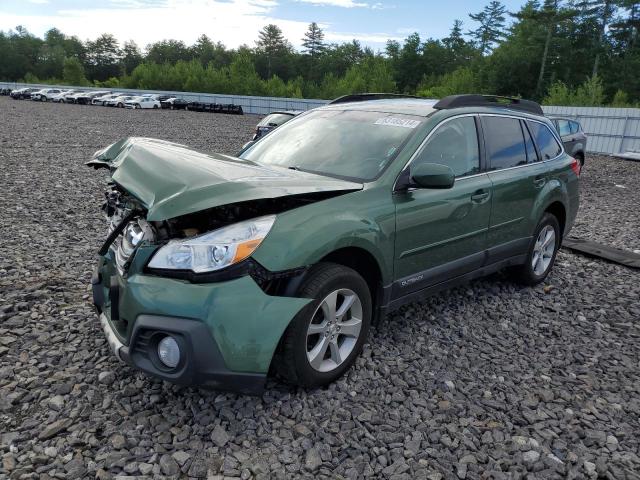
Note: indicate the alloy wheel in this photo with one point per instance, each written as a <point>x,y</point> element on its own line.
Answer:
<point>334,330</point>
<point>543,250</point>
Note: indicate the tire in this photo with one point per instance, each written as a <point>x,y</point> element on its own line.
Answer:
<point>580,157</point>
<point>155,107</point>
<point>538,266</point>
<point>43,99</point>
<point>315,352</point>
<point>120,105</point>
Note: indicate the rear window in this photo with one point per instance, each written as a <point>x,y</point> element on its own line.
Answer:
<point>505,142</point>
<point>547,144</point>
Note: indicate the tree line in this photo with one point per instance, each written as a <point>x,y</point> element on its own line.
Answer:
<point>560,52</point>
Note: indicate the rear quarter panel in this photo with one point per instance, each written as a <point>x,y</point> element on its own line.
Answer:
<point>562,186</point>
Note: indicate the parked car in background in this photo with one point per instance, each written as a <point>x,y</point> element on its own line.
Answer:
<point>272,121</point>
<point>142,102</point>
<point>102,99</point>
<point>87,97</point>
<point>5,91</point>
<point>173,103</point>
<point>60,97</point>
<point>23,93</point>
<point>118,101</point>
<point>573,137</point>
<point>71,96</point>
<point>45,94</point>
<point>217,270</point>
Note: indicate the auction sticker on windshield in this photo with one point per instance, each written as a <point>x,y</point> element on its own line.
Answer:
<point>397,122</point>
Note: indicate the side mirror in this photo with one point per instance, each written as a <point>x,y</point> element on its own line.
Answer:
<point>432,175</point>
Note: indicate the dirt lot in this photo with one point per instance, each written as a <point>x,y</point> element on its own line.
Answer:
<point>490,380</point>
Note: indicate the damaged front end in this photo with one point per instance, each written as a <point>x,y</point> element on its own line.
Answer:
<point>177,260</point>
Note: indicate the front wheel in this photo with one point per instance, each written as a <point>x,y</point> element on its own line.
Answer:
<point>43,99</point>
<point>325,338</point>
<point>542,252</point>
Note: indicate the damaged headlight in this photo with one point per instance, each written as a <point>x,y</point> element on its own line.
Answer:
<point>214,250</point>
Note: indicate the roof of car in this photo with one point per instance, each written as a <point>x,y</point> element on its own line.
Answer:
<point>407,106</point>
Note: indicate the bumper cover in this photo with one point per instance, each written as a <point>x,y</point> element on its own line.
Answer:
<point>201,362</point>
<point>228,330</point>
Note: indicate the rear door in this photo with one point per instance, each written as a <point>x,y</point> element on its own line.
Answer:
<point>517,176</point>
<point>441,233</point>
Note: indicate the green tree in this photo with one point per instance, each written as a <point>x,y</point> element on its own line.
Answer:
<point>273,46</point>
<point>73,72</point>
<point>313,41</point>
<point>600,13</point>
<point>491,30</point>
<point>168,51</point>
<point>313,46</point>
<point>103,57</point>
<point>131,56</point>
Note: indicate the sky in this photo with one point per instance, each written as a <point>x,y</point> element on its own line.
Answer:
<point>237,22</point>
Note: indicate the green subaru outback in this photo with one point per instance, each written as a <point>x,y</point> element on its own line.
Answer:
<point>218,270</point>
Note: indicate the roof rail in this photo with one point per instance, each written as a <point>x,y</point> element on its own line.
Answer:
<point>363,97</point>
<point>457,101</point>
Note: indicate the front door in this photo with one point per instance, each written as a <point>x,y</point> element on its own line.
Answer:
<point>441,234</point>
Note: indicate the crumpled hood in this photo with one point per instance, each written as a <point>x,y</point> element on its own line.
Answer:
<point>171,180</point>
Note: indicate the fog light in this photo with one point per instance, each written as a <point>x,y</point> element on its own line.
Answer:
<point>169,352</point>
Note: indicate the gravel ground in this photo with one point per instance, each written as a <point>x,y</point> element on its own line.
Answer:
<point>486,381</point>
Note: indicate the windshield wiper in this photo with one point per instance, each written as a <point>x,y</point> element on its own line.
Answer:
<point>294,168</point>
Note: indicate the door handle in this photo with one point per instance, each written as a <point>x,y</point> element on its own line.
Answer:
<point>539,181</point>
<point>480,196</point>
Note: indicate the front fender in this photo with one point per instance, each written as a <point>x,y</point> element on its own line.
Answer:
<point>303,236</point>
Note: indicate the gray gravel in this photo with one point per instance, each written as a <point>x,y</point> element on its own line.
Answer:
<point>610,201</point>
<point>490,380</point>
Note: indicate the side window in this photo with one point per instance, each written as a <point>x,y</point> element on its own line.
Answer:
<point>532,155</point>
<point>575,127</point>
<point>455,144</point>
<point>505,142</point>
<point>564,128</point>
<point>547,144</point>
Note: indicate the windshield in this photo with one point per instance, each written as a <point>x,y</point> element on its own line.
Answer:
<point>343,143</point>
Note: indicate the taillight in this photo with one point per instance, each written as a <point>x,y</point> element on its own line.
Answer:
<point>575,166</point>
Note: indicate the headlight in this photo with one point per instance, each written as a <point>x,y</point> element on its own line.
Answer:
<point>214,250</point>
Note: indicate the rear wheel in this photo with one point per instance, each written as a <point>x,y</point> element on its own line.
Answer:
<point>43,99</point>
<point>542,252</point>
<point>155,107</point>
<point>326,337</point>
<point>580,158</point>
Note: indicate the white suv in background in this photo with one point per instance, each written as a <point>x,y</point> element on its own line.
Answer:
<point>142,102</point>
<point>45,94</point>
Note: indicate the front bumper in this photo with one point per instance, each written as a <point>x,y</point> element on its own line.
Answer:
<point>227,331</point>
<point>201,361</point>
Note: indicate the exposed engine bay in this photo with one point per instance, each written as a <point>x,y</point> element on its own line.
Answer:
<point>128,226</point>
